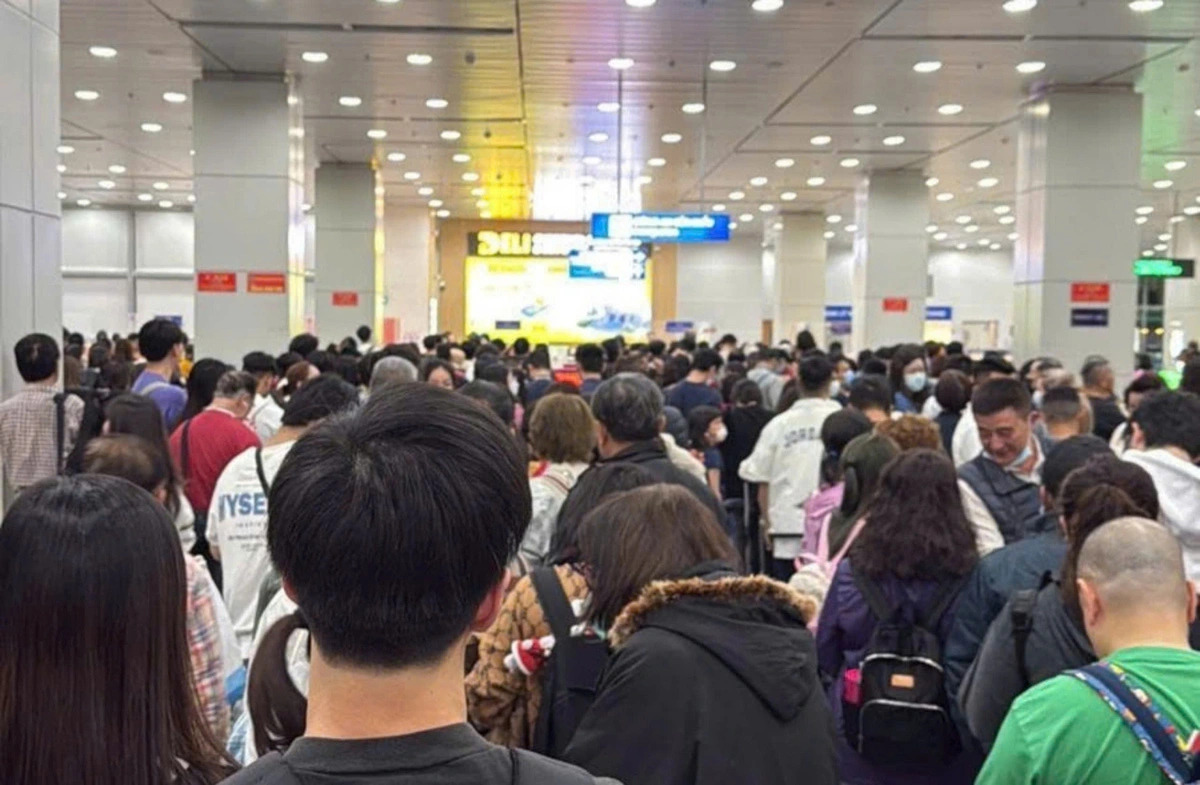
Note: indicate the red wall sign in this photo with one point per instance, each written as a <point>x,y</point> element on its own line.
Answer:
<point>895,305</point>
<point>266,283</point>
<point>1088,292</point>
<point>345,299</point>
<point>216,282</point>
<point>391,330</point>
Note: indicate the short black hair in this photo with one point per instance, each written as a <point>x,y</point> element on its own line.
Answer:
<point>324,396</point>
<point>993,365</point>
<point>1146,383</point>
<point>590,357</point>
<point>1067,456</point>
<point>259,363</point>
<point>540,359</point>
<point>871,391</point>
<point>996,395</point>
<point>953,391</point>
<point>287,360</point>
<point>363,333</point>
<point>157,338</point>
<point>629,406</point>
<point>656,348</point>
<point>1093,367</point>
<point>875,366</point>
<point>37,357</point>
<point>521,347</point>
<point>1171,419</point>
<point>391,524</point>
<point>706,360</point>
<point>430,342</point>
<point>304,344</point>
<point>954,347</point>
<point>1062,404</point>
<point>493,397</point>
<point>815,372</point>
<point>746,392</point>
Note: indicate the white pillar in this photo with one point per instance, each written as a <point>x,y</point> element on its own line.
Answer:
<point>249,188</point>
<point>798,291</point>
<point>1181,296</point>
<point>1078,160</point>
<point>349,277</point>
<point>408,271</point>
<point>30,214</point>
<point>891,259</point>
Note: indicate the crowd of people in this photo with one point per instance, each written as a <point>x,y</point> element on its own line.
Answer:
<point>655,564</point>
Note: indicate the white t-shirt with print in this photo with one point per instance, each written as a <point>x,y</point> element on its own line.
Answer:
<point>237,525</point>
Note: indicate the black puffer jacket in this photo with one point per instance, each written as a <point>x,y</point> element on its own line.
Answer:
<point>713,682</point>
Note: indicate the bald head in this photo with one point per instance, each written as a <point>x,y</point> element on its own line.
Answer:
<point>1134,564</point>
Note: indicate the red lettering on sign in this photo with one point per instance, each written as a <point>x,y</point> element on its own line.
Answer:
<point>266,283</point>
<point>216,282</point>
<point>1089,292</point>
<point>895,305</point>
<point>345,299</point>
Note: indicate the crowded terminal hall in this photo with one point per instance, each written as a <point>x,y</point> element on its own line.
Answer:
<point>579,392</point>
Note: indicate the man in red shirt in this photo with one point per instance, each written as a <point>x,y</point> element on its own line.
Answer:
<point>203,445</point>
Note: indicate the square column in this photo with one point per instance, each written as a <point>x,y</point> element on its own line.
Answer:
<point>30,214</point>
<point>797,291</point>
<point>1078,162</point>
<point>408,272</point>
<point>349,273</point>
<point>1181,296</point>
<point>891,259</point>
<point>249,168</point>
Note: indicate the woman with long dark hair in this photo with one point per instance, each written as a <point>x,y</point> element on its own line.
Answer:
<point>94,667</point>
<point>908,373</point>
<point>202,386</point>
<point>913,552</point>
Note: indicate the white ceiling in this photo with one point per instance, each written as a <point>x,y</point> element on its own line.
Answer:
<point>523,80</point>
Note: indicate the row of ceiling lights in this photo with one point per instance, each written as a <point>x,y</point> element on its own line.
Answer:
<point>1139,6</point>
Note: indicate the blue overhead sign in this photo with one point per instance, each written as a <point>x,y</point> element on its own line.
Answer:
<point>838,313</point>
<point>939,313</point>
<point>661,227</point>
<point>679,328</point>
<point>1089,317</point>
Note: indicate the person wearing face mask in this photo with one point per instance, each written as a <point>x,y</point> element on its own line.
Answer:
<point>766,371</point>
<point>909,376</point>
<point>844,374</point>
<point>1000,488</point>
<point>707,431</point>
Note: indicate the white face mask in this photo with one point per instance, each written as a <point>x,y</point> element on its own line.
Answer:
<point>513,386</point>
<point>916,382</point>
<point>835,387</point>
<point>722,435</point>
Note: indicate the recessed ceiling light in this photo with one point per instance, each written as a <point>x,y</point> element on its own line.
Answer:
<point>950,109</point>
<point>314,57</point>
<point>478,191</point>
<point>928,66</point>
<point>1192,210</point>
<point>1001,209</point>
<point>103,52</point>
<point>722,65</point>
<point>719,208</point>
<point>893,141</point>
<point>849,163</point>
<point>485,214</point>
<point>746,217</point>
<point>994,246</point>
<point>470,177</point>
<point>388,2</point>
<point>737,196</point>
<point>1165,236</point>
<point>350,101</point>
<point>396,157</point>
<point>425,190</point>
<point>436,203</point>
<point>939,236</point>
<point>591,160</point>
<point>451,135</point>
<point>442,213</point>
<point>758,182</point>
<point>87,95</point>
<point>1031,67</point>
<point>821,140</point>
<point>657,162</point>
<point>1160,247</point>
<point>785,163</point>
<point>1012,236</point>
<point>377,134</point>
<point>419,58</point>
<point>766,208</point>
<point>1019,6</point>
<point>161,186</point>
<point>851,227</point>
<point>1163,184</point>
<point>61,168</point>
<point>829,235</point>
<point>437,103</point>
<point>645,179</point>
<point>107,185</point>
<point>172,97</point>
<point>944,197</point>
<point>412,175</point>
<point>482,204</point>
<point>931,228</point>
<point>145,197</point>
<point>766,5</point>
<point>65,149</point>
<point>788,196</point>
<point>1174,166</point>
<point>640,3</point>
<point>865,109</point>
<point>166,204</point>
<point>152,128</point>
<point>672,138</point>
<point>117,169</point>
<point>1147,253</point>
<point>693,108</point>
<point>930,182</point>
<point>598,137</point>
<point>609,106</point>
<point>1142,6</point>
<point>972,229</point>
<point>815,181</point>
<point>62,194</point>
<point>1144,210</point>
<point>620,63</point>
<point>962,219</point>
<point>191,198</point>
<point>1141,219</point>
<point>980,163</point>
<point>988,182</point>
<point>1007,220</point>
<point>83,202</point>
<point>833,219</point>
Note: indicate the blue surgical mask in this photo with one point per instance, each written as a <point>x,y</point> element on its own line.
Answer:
<point>1024,455</point>
<point>916,382</point>
<point>848,378</point>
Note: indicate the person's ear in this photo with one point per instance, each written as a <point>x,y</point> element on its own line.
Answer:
<point>1138,440</point>
<point>1089,603</point>
<point>288,591</point>
<point>160,493</point>
<point>1191,606</point>
<point>489,609</point>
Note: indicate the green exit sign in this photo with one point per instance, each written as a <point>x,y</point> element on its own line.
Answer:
<point>1164,268</point>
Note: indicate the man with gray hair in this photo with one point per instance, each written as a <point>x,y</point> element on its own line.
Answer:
<point>1132,716</point>
<point>629,415</point>
<point>389,370</point>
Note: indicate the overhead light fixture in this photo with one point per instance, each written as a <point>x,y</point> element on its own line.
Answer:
<point>451,135</point>
<point>737,196</point>
<point>314,57</point>
<point>435,203</point>
<point>442,213</point>
<point>609,107</point>
<point>83,202</point>
<point>893,141</point>
<point>758,182</point>
<point>939,236</point>
<point>822,139</point>
<point>377,134</point>
<point>65,149</point>
<point>161,186</point>
<point>944,197</point>
<point>961,246</point>
<point>850,228</point>
<point>1011,236</point>
<point>1160,247</point>
<point>766,5</point>
<point>640,3</point>
<point>693,108</point>
<point>994,246</point>
<point>1163,184</point>
<point>1144,210</point>
<point>1143,6</point>
<point>425,190</point>
<point>599,137</point>
<point>1001,209</point>
<point>410,176</point>
<point>833,219</point>
<point>980,163</point>
<point>482,204</point>
<point>1165,237</point>
<point>931,228</point>
<point>1007,220</point>
<point>591,160</point>
<point>61,168</point>
<point>166,204</point>
<point>1174,166</point>
<point>350,101</point>
<point>1019,6</point>
<point>107,185</point>
<point>784,163</point>
<point>988,182</point>
<point>719,208</point>
<point>621,63</point>
<point>950,109</point>
<point>788,196</point>
<point>470,177</point>
<point>62,195</point>
<point>1192,210</point>
<point>173,97</point>
<point>1031,67</point>
<point>87,95</point>
<point>645,179</point>
<point>672,138</point>
<point>1141,219</point>
<point>928,66</point>
<point>724,66</point>
<point>815,181</point>
<point>972,229</point>
<point>962,219</point>
<point>145,197</point>
<point>478,191</point>
<point>746,217</point>
<point>117,169</point>
<point>865,109</point>
<point>388,2</point>
<point>849,163</point>
<point>437,103</point>
<point>103,52</point>
<point>419,58</point>
<point>396,157</point>
<point>829,235</point>
<point>485,214</point>
<point>657,162</point>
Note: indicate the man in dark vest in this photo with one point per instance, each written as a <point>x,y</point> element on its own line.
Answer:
<point>1000,486</point>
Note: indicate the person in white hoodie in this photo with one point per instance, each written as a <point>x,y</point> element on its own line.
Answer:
<point>1166,443</point>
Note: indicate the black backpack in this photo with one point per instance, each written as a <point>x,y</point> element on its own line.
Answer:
<point>901,718</point>
<point>571,675</point>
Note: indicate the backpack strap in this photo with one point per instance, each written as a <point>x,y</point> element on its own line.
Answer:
<point>183,452</point>
<point>876,600</point>
<point>554,602</point>
<point>262,475</point>
<point>1021,617</point>
<point>153,387</point>
<point>946,595</point>
<point>1153,729</point>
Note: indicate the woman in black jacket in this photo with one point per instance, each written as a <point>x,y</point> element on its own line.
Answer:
<point>713,678</point>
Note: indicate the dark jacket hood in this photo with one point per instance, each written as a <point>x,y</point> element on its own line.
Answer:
<point>753,625</point>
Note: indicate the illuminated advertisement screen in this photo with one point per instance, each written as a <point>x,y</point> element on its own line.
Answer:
<point>556,289</point>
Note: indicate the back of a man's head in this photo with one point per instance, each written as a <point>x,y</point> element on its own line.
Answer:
<point>157,338</point>
<point>392,524</point>
<point>1170,419</point>
<point>1094,371</point>
<point>363,333</point>
<point>1062,405</point>
<point>259,364</point>
<point>706,360</point>
<point>37,357</point>
<point>1135,567</point>
<point>392,370</point>
<point>323,397</point>
<point>234,384</point>
<point>492,397</point>
<point>815,373</point>
<point>1067,456</point>
<point>871,392</point>
<point>628,406</point>
<point>304,344</point>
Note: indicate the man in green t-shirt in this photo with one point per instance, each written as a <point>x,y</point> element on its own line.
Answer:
<point>1136,604</point>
